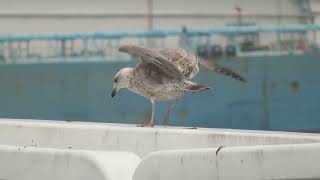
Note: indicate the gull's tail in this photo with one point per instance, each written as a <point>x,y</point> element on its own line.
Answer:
<point>220,69</point>
<point>194,87</point>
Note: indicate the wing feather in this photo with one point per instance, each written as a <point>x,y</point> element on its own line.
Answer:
<point>156,58</point>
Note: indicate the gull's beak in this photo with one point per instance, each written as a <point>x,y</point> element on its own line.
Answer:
<point>114,92</point>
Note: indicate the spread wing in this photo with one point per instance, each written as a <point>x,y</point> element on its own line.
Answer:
<point>186,61</point>
<point>149,56</point>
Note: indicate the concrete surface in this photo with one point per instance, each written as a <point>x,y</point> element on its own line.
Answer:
<point>139,140</point>
<point>32,163</point>
<point>250,163</point>
<point>270,162</point>
<point>178,164</point>
<point>78,150</point>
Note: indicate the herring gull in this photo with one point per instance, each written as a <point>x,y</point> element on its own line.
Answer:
<point>163,74</point>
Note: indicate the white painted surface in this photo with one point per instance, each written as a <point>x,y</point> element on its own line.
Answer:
<point>298,161</point>
<point>270,162</point>
<point>139,140</point>
<point>69,149</point>
<point>32,163</point>
<point>178,165</point>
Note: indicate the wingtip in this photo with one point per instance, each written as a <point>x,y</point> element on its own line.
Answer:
<point>129,48</point>
<point>123,48</point>
<point>242,79</point>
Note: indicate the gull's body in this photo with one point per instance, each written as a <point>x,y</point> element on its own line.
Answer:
<point>150,81</point>
<point>162,74</point>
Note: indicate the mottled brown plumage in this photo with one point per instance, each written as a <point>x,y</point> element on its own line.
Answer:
<point>186,62</point>
<point>163,74</point>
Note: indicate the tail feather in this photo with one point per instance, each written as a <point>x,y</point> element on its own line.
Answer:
<point>228,72</point>
<point>220,69</point>
<point>193,87</point>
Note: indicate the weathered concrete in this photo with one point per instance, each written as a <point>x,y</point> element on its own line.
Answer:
<point>294,161</point>
<point>270,162</point>
<point>141,141</point>
<point>178,164</point>
<point>32,163</point>
<point>39,148</point>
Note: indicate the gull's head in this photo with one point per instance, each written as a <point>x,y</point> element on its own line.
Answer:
<point>121,80</point>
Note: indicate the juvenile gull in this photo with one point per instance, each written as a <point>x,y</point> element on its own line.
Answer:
<point>163,74</point>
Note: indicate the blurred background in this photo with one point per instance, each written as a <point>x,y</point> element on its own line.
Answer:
<point>58,59</point>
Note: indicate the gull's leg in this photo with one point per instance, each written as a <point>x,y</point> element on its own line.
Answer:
<point>151,122</point>
<point>167,112</point>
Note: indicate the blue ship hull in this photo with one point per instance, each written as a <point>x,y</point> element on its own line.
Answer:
<point>281,93</point>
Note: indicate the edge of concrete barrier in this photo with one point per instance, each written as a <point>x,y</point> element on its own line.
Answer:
<point>32,163</point>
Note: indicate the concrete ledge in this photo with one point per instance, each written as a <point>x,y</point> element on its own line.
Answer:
<point>178,165</point>
<point>284,162</point>
<point>270,162</point>
<point>141,141</point>
<point>84,151</point>
<point>31,163</point>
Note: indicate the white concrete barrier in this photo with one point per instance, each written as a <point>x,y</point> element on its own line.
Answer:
<point>32,163</point>
<point>270,162</point>
<point>139,140</point>
<point>281,162</point>
<point>178,165</point>
<point>168,153</point>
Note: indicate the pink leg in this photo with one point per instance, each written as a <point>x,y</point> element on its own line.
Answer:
<point>168,111</point>
<point>151,122</point>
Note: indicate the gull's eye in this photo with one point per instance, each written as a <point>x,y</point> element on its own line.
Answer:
<point>115,80</point>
